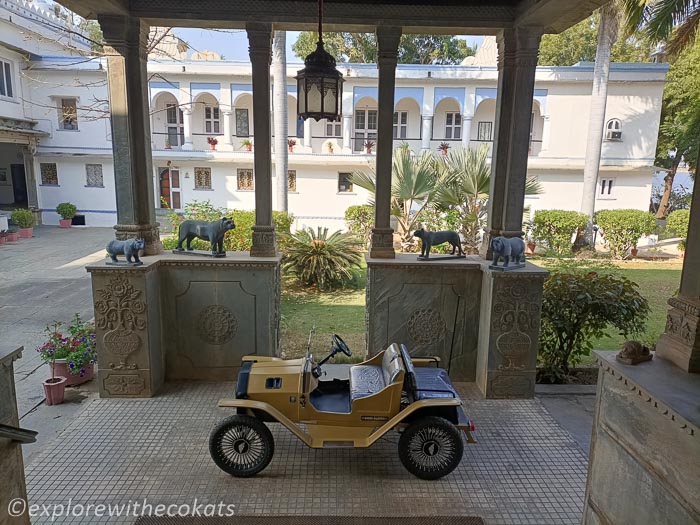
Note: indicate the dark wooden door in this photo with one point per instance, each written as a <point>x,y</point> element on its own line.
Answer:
<point>19,184</point>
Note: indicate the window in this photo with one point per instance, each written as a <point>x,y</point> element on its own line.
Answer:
<point>344,183</point>
<point>607,189</point>
<point>300,128</point>
<point>176,130</point>
<point>292,180</point>
<point>242,126</point>
<point>333,129</point>
<point>93,175</point>
<point>246,181</point>
<point>202,178</point>
<point>6,84</point>
<point>453,125</point>
<point>613,129</point>
<point>68,118</point>
<point>400,124</point>
<point>212,121</point>
<point>365,127</point>
<point>484,131</point>
<point>49,174</point>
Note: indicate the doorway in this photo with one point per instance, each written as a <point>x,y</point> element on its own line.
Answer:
<point>19,184</point>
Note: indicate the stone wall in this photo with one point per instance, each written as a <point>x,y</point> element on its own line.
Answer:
<point>182,317</point>
<point>645,452</point>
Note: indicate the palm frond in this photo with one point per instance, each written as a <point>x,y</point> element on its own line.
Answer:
<point>685,34</point>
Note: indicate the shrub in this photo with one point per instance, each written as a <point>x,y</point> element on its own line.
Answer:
<point>360,220</point>
<point>316,258</point>
<point>238,239</point>
<point>579,305</point>
<point>554,229</point>
<point>66,210</point>
<point>23,217</point>
<point>621,229</point>
<point>678,222</point>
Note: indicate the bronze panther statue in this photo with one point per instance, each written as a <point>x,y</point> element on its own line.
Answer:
<point>208,231</point>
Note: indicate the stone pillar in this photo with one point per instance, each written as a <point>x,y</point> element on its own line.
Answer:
<point>125,46</point>
<point>382,245</point>
<point>187,128</point>
<point>426,132</point>
<point>307,133</point>
<point>509,326</point>
<point>517,62</point>
<point>680,343</point>
<point>228,127</point>
<point>30,177</point>
<point>545,132</point>
<point>347,132</point>
<point>260,49</point>
<point>466,129</point>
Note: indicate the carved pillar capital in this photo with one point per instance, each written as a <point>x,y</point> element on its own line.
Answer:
<point>264,242</point>
<point>259,42</point>
<point>125,35</point>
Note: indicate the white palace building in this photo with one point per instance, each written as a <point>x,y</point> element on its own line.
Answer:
<point>55,140</point>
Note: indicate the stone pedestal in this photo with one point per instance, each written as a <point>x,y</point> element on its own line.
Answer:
<point>680,343</point>
<point>182,317</point>
<point>644,464</point>
<point>509,327</point>
<point>12,483</point>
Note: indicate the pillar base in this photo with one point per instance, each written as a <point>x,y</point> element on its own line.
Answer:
<point>148,232</point>
<point>511,304</point>
<point>680,344</point>
<point>264,242</point>
<point>382,245</point>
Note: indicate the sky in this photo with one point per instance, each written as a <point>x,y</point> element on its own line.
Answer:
<point>233,44</point>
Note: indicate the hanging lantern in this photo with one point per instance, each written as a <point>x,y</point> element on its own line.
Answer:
<point>319,84</point>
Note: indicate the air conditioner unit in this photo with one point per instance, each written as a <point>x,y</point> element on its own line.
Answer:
<point>614,135</point>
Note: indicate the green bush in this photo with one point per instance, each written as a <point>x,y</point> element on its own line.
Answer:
<point>238,239</point>
<point>554,229</point>
<point>66,210</point>
<point>621,229</point>
<point>579,305</point>
<point>678,222</point>
<point>316,258</point>
<point>23,218</point>
<point>360,220</point>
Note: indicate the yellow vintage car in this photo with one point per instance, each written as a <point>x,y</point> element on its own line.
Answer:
<point>345,406</point>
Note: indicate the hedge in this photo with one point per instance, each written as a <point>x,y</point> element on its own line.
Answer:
<point>555,229</point>
<point>621,229</point>
<point>678,222</point>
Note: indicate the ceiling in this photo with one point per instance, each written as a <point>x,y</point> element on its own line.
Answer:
<point>414,16</point>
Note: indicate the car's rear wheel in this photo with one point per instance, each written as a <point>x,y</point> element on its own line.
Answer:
<point>431,447</point>
<point>241,446</point>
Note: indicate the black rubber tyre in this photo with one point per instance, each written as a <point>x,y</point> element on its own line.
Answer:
<point>431,447</point>
<point>241,446</point>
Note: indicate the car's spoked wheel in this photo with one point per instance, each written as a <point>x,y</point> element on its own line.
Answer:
<point>431,448</point>
<point>241,445</point>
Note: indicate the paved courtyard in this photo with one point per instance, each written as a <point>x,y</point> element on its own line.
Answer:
<point>525,469</point>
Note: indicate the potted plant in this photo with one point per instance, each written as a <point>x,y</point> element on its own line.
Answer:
<point>368,146</point>
<point>3,236</point>
<point>54,389</point>
<point>330,146</point>
<point>247,144</point>
<point>73,354</point>
<point>167,144</point>
<point>12,236</point>
<point>24,218</point>
<point>634,251</point>
<point>443,147</point>
<point>212,143</point>
<point>291,143</point>
<point>67,211</point>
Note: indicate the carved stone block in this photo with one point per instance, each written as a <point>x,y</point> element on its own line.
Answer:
<point>680,343</point>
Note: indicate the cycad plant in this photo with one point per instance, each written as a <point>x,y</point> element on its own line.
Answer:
<point>413,184</point>
<point>465,178</point>
<point>316,258</point>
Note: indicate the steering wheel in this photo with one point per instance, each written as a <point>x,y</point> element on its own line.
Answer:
<point>339,344</point>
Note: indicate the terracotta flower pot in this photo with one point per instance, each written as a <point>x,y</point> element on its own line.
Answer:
<point>634,251</point>
<point>3,239</point>
<point>26,233</point>
<point>531,247</point>
<point>12,237</point>
<point>65,223</point>
<point>291,149</point>
<point>249,148</point>
<point>212,147</point>
<point>54,390</point>
<point>60,368</point>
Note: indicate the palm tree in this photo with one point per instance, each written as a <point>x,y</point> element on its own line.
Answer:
<point>465,176</point>
<point>674,22</point>
<point>279,72</point>
<point>413,184</point>
<point>607,35</point>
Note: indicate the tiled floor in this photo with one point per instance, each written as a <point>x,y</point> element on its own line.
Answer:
<point>524,469</point>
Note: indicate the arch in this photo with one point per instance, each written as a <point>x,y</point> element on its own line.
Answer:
<point>614,124</point>
<point>206,114</point>
<point>243,115</point>
<point>484,113</point>
<point>366,102</point>
<point>243,100</point>
<point>167,120</point>
<point>447,121</point>
<point>412,127</point>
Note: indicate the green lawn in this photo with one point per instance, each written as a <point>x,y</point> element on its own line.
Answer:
<point>343,312</point>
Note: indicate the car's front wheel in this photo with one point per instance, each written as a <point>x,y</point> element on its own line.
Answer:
<point>241,446</point>
<point>431,447</point>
